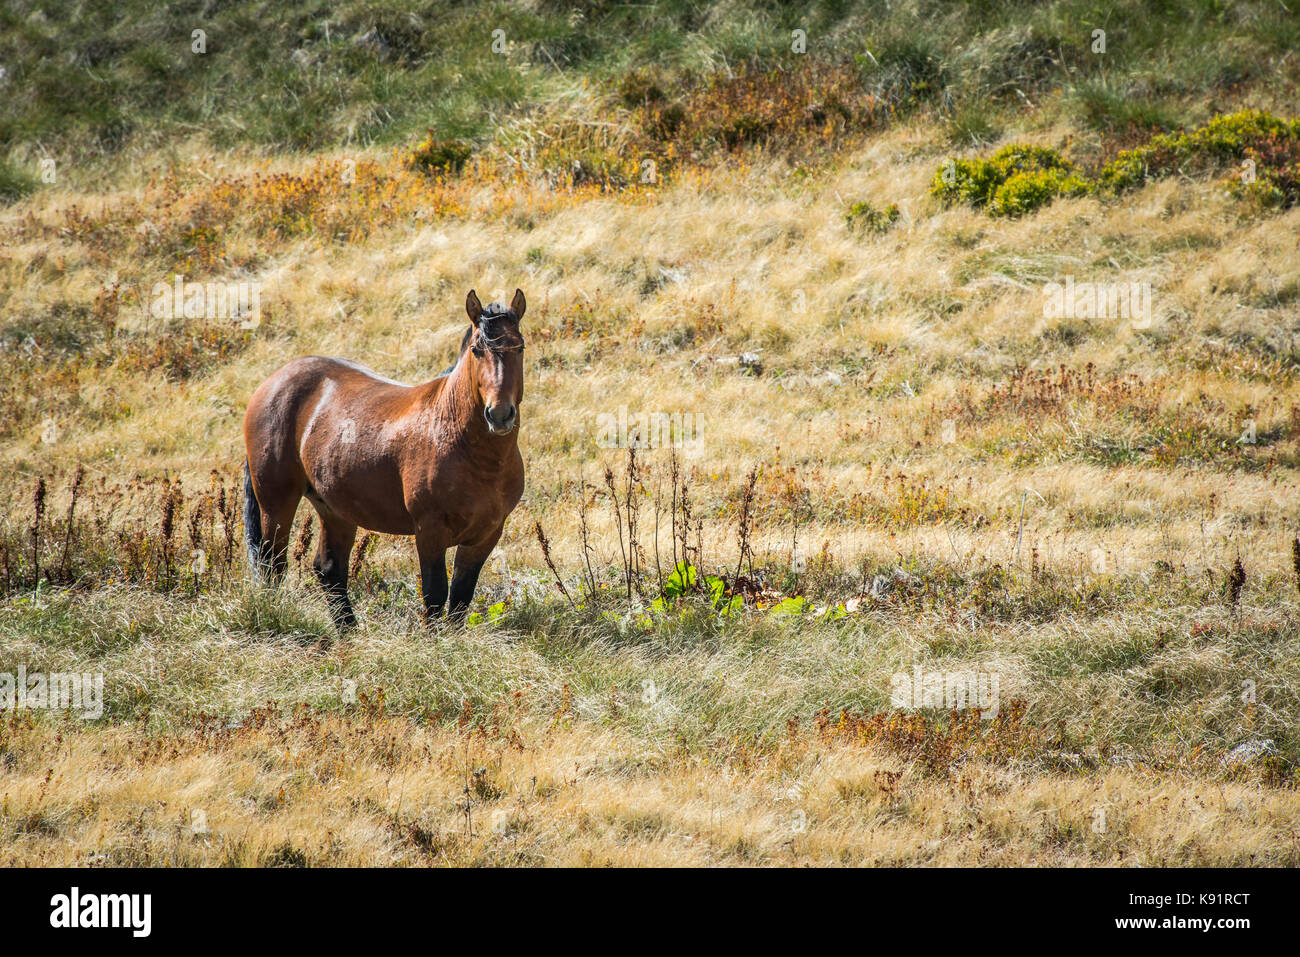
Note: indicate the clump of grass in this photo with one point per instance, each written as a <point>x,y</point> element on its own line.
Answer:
<point>972,123</point>
<point>796,108</point>
<point>47,356</point>
<point>905,69</point>
<point>15,182</point>
<point>1134,423</point>
<point>1109,108</point>
<point>569,153</point>
<point>283,854</point>
<point>637,89</point>
<point>934,744</point>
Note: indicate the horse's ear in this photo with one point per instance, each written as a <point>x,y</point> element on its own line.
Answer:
<point>473,306</point>
<point>518,305</point>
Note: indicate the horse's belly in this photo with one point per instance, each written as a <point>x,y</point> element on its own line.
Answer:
<point>359,490</point>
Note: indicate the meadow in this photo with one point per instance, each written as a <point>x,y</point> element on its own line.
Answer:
<point>877,353</point>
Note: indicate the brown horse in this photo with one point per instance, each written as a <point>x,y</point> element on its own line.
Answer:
<point>439,461</point>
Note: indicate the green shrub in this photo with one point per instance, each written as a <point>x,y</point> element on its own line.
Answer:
<point>979,181</point>
<point>1025,192</point>
<point>864,217</point>
<point>1226,138</point>
<point>638,89</point>
<point>439,156</point>
<point>1272,179</point>
<point>1019,179</point>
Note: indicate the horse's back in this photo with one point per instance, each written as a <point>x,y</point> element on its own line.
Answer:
<point>317,424</point>
<point>286,391</point>
<point>269,421</point>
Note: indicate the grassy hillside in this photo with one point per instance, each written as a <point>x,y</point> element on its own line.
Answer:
<point>835,266</point>
<point>310,75</point>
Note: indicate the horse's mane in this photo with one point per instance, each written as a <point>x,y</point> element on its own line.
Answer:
<point>493,311</point>
<point>464,344</point>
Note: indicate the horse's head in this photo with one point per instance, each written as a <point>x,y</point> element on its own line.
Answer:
<point>497,352</point>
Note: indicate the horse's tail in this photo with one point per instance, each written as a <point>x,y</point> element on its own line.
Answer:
<point>252,524</point>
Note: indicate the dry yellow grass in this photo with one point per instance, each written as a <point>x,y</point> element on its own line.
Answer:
<point>768,266</point>
<point>373,791</point>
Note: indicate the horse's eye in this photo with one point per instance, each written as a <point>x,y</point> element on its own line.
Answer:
<point>478,352</point>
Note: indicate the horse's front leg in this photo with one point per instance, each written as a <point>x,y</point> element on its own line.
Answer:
<point>432,549</point>
<point>469,562</point>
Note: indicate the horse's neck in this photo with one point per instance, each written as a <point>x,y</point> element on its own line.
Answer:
<point>453,397</point>
<point>458,409</point>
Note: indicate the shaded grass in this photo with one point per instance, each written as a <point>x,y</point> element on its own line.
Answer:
<point>309,75</point>
<point>1117,681</point>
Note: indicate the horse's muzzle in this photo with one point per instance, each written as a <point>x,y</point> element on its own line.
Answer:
<point>501,418</point>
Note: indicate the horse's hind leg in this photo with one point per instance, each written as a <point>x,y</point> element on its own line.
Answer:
<point>331,565</point>
<point>277,527</point>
